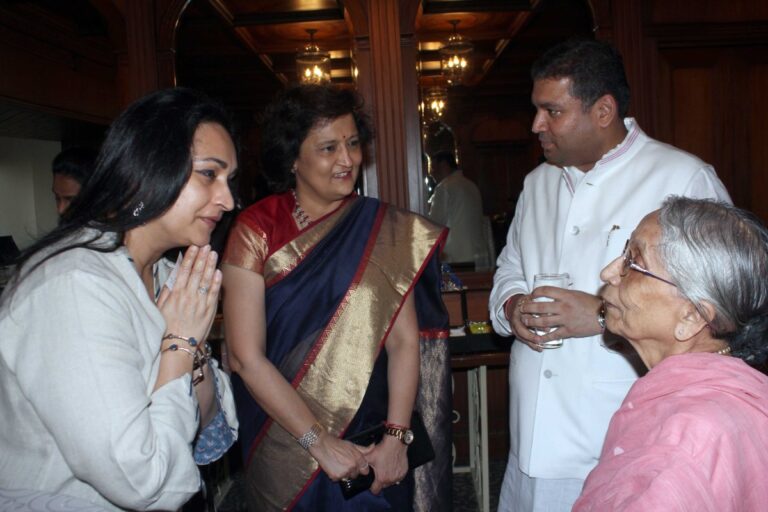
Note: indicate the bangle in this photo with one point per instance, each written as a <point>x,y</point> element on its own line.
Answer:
<point>309,439</point>
<point>174,347</point>
<point>189,339</point>
<point>395,425</point>
<point>601,316</point>
<point>200,357</point>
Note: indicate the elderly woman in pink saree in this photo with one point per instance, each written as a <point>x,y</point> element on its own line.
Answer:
<point>690,295</point>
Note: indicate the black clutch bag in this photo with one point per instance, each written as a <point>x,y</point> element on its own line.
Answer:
<point>420,451</point>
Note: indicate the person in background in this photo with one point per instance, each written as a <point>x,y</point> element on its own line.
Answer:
<point>689,294</point>
<point>71,169</point>
<point>332,301</point>
<point>602,175</point>
<point>457,204</point>
<point>107,389</point>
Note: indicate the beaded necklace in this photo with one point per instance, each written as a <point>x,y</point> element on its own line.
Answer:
<point>299,215</point>
<point>723,351</point>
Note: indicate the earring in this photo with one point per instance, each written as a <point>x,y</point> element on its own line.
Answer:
<point>137,211</point>
<point>293,170</point>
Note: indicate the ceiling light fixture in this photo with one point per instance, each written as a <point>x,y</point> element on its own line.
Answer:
<point>313,65</point>
<point>454,56</point>
<point>433,104</point>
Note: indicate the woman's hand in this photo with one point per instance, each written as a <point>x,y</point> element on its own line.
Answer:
<point>338,458</point>
<point>389,460</point>
<point>190,307</point>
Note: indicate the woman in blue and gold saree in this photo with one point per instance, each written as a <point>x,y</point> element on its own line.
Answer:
<point>332,305</point>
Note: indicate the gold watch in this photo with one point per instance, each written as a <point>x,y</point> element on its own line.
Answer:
<point>405,435</point>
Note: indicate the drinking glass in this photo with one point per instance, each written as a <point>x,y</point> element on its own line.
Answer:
<point>560,281</point>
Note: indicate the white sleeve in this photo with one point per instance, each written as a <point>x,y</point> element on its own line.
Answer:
<point>438,210</point>
<point>509,279</point>
<point>705,184</point>
<point>82,369</point>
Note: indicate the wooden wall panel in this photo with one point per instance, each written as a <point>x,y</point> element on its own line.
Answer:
<point>693,111</point>
<point>757,149</point>
<point>707,11</point>
<point>55,78</point>
<point>710,103</point>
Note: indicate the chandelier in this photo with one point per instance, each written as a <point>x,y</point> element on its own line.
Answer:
<point>313,65</point>
<point>454,56</point>
<point>433,104</point>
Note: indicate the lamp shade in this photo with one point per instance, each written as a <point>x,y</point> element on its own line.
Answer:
<point>313,65</point>
<point>454,56</point>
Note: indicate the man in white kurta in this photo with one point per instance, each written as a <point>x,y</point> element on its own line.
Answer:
<point>574,215</point>
<point>457,204</point>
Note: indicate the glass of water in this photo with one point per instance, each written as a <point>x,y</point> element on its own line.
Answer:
<point>560,281</point>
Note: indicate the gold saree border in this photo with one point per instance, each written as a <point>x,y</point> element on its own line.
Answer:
<point>401,244</point>
<point>284,260</point>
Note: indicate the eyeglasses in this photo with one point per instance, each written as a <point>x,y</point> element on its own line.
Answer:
<point>630,264</point>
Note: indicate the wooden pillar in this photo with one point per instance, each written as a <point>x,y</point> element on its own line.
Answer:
<point>621,23</point>
<point>141,59</point>
<point>387,81</point>
<point>149,63</point>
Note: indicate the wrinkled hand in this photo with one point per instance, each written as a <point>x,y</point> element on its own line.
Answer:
<point>389,459</point>
<point>572,313</point>
<point>338,458</point>
<point>190,307</point>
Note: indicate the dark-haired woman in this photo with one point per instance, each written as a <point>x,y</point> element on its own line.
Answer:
<point>107,390</point>
<point>690,295</point>
<point>326,296</point>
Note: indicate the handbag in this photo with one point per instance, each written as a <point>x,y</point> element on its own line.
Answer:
<point>419,452</point>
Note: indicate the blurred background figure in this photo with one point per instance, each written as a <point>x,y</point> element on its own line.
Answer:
<point>71,169</point>
<point>457,204</point>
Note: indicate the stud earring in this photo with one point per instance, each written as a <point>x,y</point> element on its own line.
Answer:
<point>139,208</point>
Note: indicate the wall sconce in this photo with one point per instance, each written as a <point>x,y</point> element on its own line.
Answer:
<point>313,65</point>
<point>454,56</point>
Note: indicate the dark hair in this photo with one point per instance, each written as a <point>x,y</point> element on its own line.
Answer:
<point>143,165</point>
<point>594,67</point>
<point>445,156</point>
<point>76,162</point>
<point>289,118</point>
<point>718,254</point>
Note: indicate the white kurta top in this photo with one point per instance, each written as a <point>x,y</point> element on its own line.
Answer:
<point>79,356</point>
<point>457,204</point>
<point>568,221</point>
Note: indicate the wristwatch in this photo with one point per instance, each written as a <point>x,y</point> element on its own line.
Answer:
<point>404,434</point>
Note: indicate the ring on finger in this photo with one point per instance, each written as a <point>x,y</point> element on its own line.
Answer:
<point>202,290</point>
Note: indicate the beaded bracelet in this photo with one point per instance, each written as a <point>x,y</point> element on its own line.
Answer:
<point>200,357</point>
<point>189,339</point>
<point>174,347</point>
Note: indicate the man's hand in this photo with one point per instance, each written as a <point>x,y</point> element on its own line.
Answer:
<point>571,312</point>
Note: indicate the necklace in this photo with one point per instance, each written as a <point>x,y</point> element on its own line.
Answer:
<point>723,351</point>
<point>299,215</point>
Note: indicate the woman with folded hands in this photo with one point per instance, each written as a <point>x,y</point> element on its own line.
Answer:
<point>108,392</point>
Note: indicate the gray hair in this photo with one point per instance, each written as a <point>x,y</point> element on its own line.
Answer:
<point>718,254</point>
